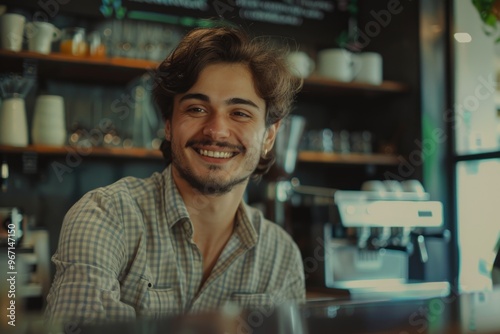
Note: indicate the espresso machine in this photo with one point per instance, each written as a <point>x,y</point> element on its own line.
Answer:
<point>367,243</point>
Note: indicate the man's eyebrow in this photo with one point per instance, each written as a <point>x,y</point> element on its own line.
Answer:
<point>231,101</point>
<point>195,96</point>
<point>238,100</point>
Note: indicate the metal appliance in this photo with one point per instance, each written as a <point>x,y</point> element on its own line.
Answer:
<point>370,239</point>
<point>279,179</point>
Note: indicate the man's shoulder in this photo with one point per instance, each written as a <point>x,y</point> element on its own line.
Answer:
<point>123,194</point>
<point>133,187</point>
<point>128,197</point>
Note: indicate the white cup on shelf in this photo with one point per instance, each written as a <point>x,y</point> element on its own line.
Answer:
<point>368,68</point>
<point>49,124</point>
<point>374,185</point>
<point>300,63</point>
<point>13,123</point>
<point>336,64</point>
<point>11,29</point>
<point>41,35</point>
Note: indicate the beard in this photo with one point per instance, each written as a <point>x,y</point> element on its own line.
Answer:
<point>214,182</point>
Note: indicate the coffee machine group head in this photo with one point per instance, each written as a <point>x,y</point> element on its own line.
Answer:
<point>373,234</point>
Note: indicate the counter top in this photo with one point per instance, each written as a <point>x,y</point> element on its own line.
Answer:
<point>477,312</point>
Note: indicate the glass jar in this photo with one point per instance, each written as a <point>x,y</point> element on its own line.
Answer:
<point>73,42</point>
<point>96,48</point>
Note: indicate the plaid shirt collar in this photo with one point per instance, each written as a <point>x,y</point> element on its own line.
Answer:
<point>175,206</point>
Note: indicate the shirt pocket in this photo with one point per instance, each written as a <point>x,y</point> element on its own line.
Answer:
<point>252,300</point>
<point>162,302</point>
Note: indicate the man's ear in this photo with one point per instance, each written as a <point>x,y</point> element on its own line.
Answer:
<point>270,136</point>
<point>168,131</point>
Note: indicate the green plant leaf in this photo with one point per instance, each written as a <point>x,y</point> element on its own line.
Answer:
<point>491,20</point>
<point>343,39</point>
<point>120,12</point>
<point>483,7</point>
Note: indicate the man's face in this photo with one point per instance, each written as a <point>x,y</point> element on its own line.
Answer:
<point>218,130</point>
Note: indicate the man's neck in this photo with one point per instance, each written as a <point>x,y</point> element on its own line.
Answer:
<point>213,219</point>
<point>212,214</point>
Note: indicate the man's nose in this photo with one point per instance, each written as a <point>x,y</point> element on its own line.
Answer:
<point>216,127</point>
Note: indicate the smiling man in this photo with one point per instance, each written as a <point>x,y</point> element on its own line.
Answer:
<point>184,240</point>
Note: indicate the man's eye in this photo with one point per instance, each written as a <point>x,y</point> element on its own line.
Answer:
<point>196,110</point>
<point>241,114</point>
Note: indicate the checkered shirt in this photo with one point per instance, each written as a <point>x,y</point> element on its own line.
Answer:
<point>126,251</point>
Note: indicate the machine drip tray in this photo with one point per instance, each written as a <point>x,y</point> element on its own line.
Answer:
<point>392,289</point>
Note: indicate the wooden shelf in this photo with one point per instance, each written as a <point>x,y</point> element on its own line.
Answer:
<point>138,64</point>
<point>112,152</point>
<point>351,158</point>
<point>143,153</point>
<point>320,85</point>
<point>120,70</point>
<point>82,69</point>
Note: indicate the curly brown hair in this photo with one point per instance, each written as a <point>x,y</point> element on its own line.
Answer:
<point>201,47</point>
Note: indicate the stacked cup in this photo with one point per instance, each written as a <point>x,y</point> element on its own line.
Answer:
<point>343,65</point>
<point>49,125</point>
<point>13,123</point>
<point>11,31</point>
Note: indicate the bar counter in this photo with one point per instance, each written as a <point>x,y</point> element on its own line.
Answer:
<point>466,313</point>
<point>477,312</point>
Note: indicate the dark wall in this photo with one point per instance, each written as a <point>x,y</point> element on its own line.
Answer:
<point>294,19</point>
<point>390,28</point>
<point>48,191</point>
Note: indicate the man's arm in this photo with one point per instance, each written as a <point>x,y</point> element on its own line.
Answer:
<point>89,258</point>
<point>294,287</point>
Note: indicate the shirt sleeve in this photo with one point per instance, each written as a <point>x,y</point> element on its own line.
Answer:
<point>295,286</point>
<point>89,258</point>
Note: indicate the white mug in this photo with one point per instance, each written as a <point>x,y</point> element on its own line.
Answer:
<point>393,186</point>
<point>41,35</point>
<point>413,185</point>
<point>49,124</point>
<point>300,63</point>
<point>335,64</point>
<point>12,28</point>
<point>368,68</point>
<point>373,185</point>
<point>13,124</point>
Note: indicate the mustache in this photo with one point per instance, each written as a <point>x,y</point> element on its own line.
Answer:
<point>220,144</point>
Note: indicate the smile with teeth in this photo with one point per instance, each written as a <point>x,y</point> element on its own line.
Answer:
<point>216,154</point>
